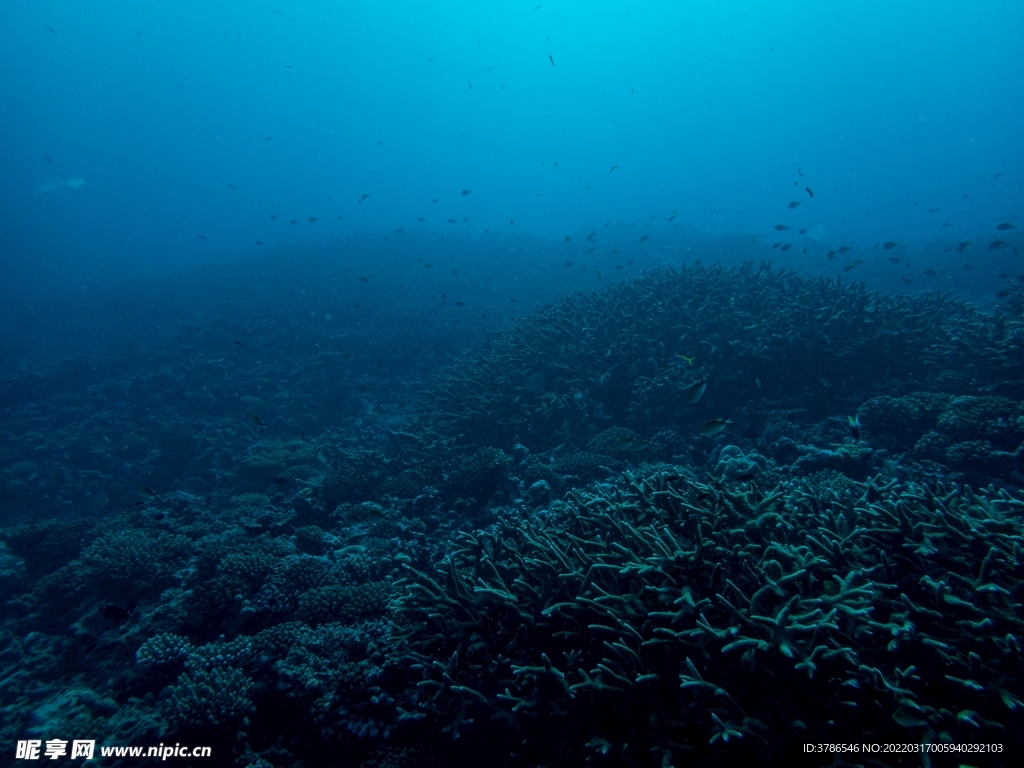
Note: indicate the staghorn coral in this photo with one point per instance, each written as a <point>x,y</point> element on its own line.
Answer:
<point>598,360</point>
<point>867,606</point>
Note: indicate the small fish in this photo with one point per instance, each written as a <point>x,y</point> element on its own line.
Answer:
<point>551,59</point>
<point>695,391</point>
<point>793,205</point>
<point>930,273</point>
<point>273,215</point>
<point>905,280</point>
<point>362,197</point>
<point>428,265</point>
<point>785,247</point>
<point>849,267</point>
<point>450,221</point>
<point>512,222</point>
<point>257,421</point>
<point>567,238</point>
<point>1001,227</point>
<point>1002,294</point>
<point>47,156</point>
<point>776,245</point>
<point>843,249</point>
<point>146,491</point>
<point>460,303</point>
<point>714,427</point>
<point>238,343</point>
<point>516,419</point>
<point>50,29</point>
<point>465,219</point>
<point>809,191</point>
<point>201,237</point>
<point>643,238</point>
<point>465,192</point>
<point>684,357</point>
<point>798,170</point>
<point>854,422</point>
<point>293,221</point>
<point>831,255</point>
<point>470,83</point>
<point>267,138</point>
<point>961,247</point>
<point>888,246</point>
<point>363,280</point>
<point>567,264</point>
<point>612,168</point>
<point>420,218</point>
<point>996,244</point>
<point>894,259</point>
<point>313,219</point>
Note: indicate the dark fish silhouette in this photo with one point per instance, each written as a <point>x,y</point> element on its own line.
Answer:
<point>1001,227</point>
<point>362,197</point>
<point>793,205</point>
<point>888,246</point>
<point>201,237</point>
<point>612,168</point>
<point>551,59</point>
<point>785,247</point>
<point>313,219</point>
<point>567,238</point>
<point>781,227</point>
<point>50,29</point>
<point>894,259</point>
<point>47,156</point>
<point>843,249</point>
<point>803,231</point>
<point>809,191</point>
<point>364,280</point>
<point>996,244</point>
<point>450,221</point>
<point>643,238</point>
<point>465,192</point>
<point>512,222</point>
<point>831,255</point>
<point>470,85</point>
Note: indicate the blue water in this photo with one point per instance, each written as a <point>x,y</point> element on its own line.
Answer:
<point>192,119</point>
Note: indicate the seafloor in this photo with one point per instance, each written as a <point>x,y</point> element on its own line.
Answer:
<point>396,536</point>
